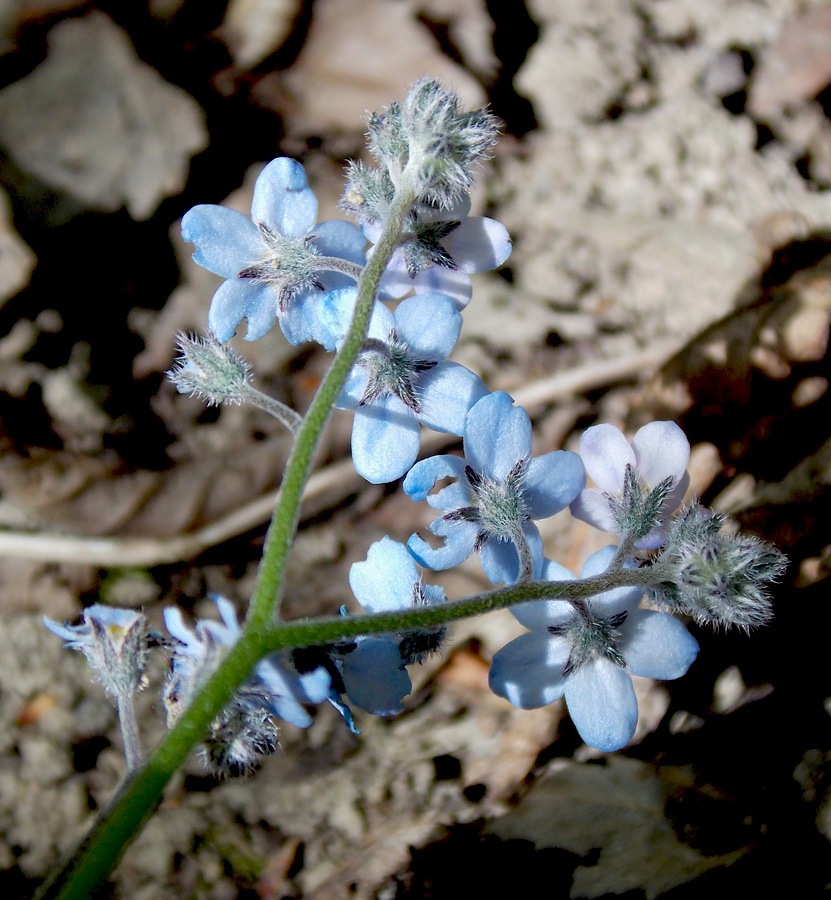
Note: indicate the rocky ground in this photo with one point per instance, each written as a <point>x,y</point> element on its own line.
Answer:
<point>665,173</point>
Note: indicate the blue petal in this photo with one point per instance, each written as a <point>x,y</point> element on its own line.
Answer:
<point>446,394</point>
<point>374,676</point>
<point>656,645</point>
<point>451,282</point>
<point>353,388</point>
<point>552,481</point>
<point>497,436</point>
<point>429,324</point>
<point>227,241</point>
<point>237,299</point>
<point>619,600</point>
<point>602,704</point>
<point>385,440</point>
<point>385,580</point>
<point>542,613</point>
<point>460,539</point>
<point>422,478</point>
<point>287,690</point>
<point>478,244</point>
<point>283,200</point>
<point>500,560</point>
<point>343,240</point>
<point>528,672</point>
<point>301,321</point>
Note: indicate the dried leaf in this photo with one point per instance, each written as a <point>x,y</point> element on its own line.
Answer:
<point>618,808</point>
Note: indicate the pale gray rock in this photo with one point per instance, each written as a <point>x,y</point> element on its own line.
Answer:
<point>95,122</point>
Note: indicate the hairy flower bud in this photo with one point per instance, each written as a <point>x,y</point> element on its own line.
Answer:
<point>210,370</point>
<point>436,142</point>
<point>115,643</point>
<point>718,578</point>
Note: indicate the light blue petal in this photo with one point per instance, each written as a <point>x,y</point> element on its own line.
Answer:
<point>592,506</point>
<point>226,240</point>
<point>301,321</point>
<point>385,580</point>
<point>430,324</point>
<point>283,200</point>
<point>74,635</point>
<point>528,672</point>
<point>343,240</point>
<point>175,624</point>
<point>500,560</point>
<point>450,282</point>
<point>446,394</point>
<point>656,645</point>
<point>353,388</point>
<point>552,481</point>
<point>433,594</point>
<point>396,280</point>
<point>619,600</point>
<point>662,451</point>
<point>460,539</point>
<point>423,476</point>
<point>336,310</point>
<point>602,704</point>
<point>385,440</point>
<point>540,614</point>
<point>237,299</point>
<point>606,453</point>
<point>374,676</point>
<point>497,436</point>
<point>478,244</point>
<point>316,685</point>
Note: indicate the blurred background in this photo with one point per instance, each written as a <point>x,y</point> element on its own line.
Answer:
<point>664,172</point>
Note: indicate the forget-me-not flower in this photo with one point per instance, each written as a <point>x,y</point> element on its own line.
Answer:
<point>373,667</point>
<point>498,492</point>
<point>440,249</point>
<point>402,378</point>
<point>659,451</point>
<point>587,651</point>
<point>272,685</point>
<point>272,260</point>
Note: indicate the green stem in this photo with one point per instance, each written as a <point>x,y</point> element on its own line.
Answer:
<point>99,852</point>
<point>89,865</point>
<point>334,629</point>
<point>265,602</point>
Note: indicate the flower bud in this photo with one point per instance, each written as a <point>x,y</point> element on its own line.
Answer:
<point>210,370</point>
<point>714,577</point>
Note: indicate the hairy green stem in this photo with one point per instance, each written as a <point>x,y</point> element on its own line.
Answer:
<point>284,414</point>
<point>265,602</point>
<point>94,859</point>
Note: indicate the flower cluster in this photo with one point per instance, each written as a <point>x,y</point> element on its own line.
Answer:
<point>388,294</point>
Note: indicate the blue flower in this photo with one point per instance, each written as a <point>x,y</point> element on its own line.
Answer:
<point>402,378</point>
<point>587,652</point>
<point>658,451</point>
<point>269,260</point>
<point>498,490</point>
<point>440,249</point>
<point>273,685</point>
<point>373,667</point>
